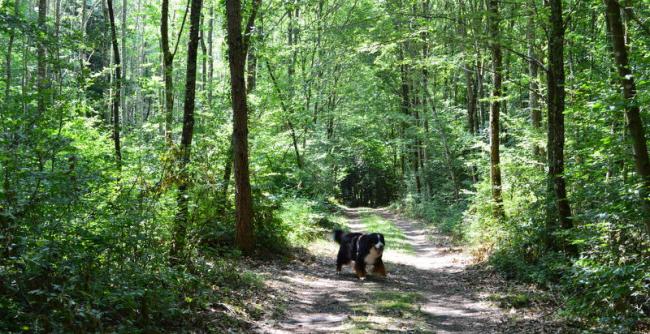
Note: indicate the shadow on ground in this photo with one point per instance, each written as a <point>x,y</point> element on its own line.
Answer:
<point>428,290</point>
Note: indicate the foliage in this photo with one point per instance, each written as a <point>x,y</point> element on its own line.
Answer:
<point>364,102</point>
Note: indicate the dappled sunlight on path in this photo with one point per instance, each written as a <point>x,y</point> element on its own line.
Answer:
<point>429,288</point>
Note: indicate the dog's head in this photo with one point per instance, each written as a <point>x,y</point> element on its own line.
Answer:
<point>376,241</point>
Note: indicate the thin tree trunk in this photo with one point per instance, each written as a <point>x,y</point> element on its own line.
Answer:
<point>252,71</point>
<point>632,111</point>
<point>210,53</point>
<point>285,109</point>
<point>556,97</point>
<point>125,118</point>
<point>204,58</point>
<point>8,58</point>
<point>497,69</point>
<point>237,61</point>
<point>168,71</point>
<point>405,105</point>
<point>416,140</point>
<point>445,141</point>
<point>533,87</point>
<point>118,86</point>
<point>41,66</point>
<point>180,228</point>
<point>230,153</point>
<point>82,54</point>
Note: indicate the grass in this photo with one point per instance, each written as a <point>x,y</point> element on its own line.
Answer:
<point>384,309</point>
<point>395,238</point>
<point>398,302</point>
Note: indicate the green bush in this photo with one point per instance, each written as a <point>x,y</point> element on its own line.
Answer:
<point>305,220</point>
<point>611,279</point>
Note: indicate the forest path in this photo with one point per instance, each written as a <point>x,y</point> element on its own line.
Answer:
<point>430,288</point>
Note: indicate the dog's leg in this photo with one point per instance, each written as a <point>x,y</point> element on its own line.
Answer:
<point>360,270</point>
<point>338,268</point>
<point>379,268</point>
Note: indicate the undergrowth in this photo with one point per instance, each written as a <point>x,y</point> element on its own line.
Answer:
<point>604,287</point>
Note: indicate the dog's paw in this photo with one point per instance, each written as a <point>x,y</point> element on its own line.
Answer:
<point>362,278</point>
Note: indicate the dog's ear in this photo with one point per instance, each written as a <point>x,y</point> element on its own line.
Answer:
<point>338,236</point>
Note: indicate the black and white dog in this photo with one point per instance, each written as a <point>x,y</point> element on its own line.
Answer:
<point>363,249</point>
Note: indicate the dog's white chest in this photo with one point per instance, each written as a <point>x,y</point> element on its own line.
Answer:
<point>372,256</point>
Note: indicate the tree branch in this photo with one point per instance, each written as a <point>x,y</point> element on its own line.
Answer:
<point>250,24</point>
<point>178,39</point>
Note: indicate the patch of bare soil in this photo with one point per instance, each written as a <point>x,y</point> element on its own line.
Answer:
<point>431,288</point>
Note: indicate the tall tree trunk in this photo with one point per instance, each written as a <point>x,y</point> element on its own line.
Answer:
<point>416,140</point>
<point>471,99</point>
<point>229,155</point>
<point>556,96</point>
<point>168,70</point>
<point>118,86</point>
<point>252,71</point>
<point>632,111</point>
<point>497,70</point>
<point>8,57</point>
<point>533,69</point>
<point>251,75</point>
<point>82,53</point>
<point>405,105</point>
<point>41,66</point>
<point>8,166</point>
<point>237,61</point>
<point>180,228</point>
<point>57,49</point>
<point>204,58</point>
<point>210,53</point>
<point>125,118</point>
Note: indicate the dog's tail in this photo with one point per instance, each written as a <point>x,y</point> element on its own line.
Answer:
<point>338,236</point>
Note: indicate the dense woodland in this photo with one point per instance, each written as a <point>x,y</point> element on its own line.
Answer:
<point>150,146</point>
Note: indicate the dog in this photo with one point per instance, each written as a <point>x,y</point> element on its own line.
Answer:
<point>363,249</point>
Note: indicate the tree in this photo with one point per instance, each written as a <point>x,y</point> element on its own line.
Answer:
<point>556,96</point>
<point>168,70</point>
<point>180,228</point>
<point>495,104</point>
<point>237,61</point>
<point>118,86</point>
<point>42,67</point>
<point>632,110</point>
<point>533,70</point>
<point>168,66</point>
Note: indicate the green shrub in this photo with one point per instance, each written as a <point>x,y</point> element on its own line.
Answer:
<point>305,220</point>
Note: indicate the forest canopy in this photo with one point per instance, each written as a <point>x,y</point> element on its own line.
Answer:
<point>149,147</point>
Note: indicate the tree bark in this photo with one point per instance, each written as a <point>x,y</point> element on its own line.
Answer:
<point>497,70</point>
<point>556,97</point>
<point>8,58</point>
<point>41,65</point>
<point>252,71</point>
<point>632,110</point>
<point>125,118</point>
<point>118,86</point>
<point>204,57</point>
<point>180,228</point>
<point>210,53</point>
<point>237,62</point>
<point>168,70</point>
<point>533,86</point>
<point>229,155</point>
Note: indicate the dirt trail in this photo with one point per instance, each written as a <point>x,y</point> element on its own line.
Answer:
<point>429,289</point>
